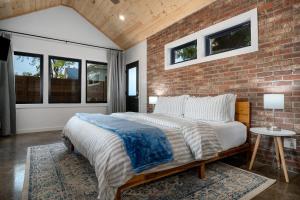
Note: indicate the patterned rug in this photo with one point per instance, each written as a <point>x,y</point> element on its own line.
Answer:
<point>53,173</point>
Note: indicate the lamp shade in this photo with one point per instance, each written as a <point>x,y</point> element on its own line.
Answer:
<point>274,101</point>
<point>153,99</point>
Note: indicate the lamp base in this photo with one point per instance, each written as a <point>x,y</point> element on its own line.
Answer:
<point>273,128</point>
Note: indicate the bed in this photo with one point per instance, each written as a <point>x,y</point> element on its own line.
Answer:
<point>76,130</point>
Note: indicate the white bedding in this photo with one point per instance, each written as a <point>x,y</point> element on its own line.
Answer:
<point>105,151</point>
<point>230,134</point>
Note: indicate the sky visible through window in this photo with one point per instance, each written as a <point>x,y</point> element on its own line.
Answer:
<point>26,65</point>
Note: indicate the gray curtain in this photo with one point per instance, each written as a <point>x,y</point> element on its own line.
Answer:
<point>7,95</point>
<point>116,82</point>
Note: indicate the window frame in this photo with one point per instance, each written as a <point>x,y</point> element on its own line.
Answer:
<point>128,67</point>
<point>41,56</point>
<point>182,46</point>
<point>49,77</point>
<point>251,15</point>
<point>86,80</point>
<point>225,32</point>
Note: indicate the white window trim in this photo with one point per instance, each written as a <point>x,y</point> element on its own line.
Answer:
<point>200,37</point>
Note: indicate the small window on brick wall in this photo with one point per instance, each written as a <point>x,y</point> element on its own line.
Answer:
<point>235,36</point>
<point>184,52</point>
<point>229,39</point>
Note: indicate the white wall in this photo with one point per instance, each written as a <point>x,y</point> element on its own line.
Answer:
<point>63,23</point>
<point>39,119</point>
<point>139,53</point>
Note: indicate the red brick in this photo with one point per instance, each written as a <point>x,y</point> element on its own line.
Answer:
<point>274,68</point>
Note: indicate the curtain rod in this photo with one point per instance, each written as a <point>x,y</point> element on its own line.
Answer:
<point>60,40</point>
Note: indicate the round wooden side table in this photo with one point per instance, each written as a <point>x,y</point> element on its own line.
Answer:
<point>278,146</point>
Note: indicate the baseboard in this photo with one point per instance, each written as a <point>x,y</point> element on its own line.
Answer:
<point>35,130</point>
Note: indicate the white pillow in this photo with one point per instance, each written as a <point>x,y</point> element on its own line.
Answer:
<point>218,108</point>
<point>173,106</point>
<point>232,100</point>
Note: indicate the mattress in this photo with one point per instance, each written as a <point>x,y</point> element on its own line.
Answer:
<point>230,134</point>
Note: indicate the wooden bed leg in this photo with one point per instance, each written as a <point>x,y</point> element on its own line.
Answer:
<point>118,195</point>
<point>201,171</point>
<point>68,144</point>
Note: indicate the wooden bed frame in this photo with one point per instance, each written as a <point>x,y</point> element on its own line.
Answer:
<point>242,114</point>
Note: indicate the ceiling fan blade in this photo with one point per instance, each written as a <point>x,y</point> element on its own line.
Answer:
<point>115,1</point>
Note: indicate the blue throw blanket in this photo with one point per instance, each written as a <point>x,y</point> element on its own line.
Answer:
<point>146,146</point>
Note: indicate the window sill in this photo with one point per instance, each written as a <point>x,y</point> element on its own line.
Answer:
<point>42,106</point>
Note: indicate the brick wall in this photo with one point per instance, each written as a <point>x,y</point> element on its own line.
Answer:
<point>274,68</point>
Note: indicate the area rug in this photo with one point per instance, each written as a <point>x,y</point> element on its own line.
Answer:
<point>53,173</point>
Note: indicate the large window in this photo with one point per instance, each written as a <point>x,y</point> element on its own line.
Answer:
<point>64,80</point>
<point>28,78</point>
<point>96,82</point>
<point>233,38</point>
<point>184,52</point>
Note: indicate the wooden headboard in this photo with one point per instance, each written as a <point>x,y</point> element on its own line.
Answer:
<point>242,112</point>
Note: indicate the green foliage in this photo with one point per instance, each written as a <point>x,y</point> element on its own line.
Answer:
<point>58,67</point>
<point>26,74</point>
<point>188,52</point>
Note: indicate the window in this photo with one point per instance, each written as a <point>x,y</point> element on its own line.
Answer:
<point>96,82</point>
<point>28,77</point>
<point>64,80</point>
<point>233,38</point>
<point>184,52</point>
<point>132,81</point>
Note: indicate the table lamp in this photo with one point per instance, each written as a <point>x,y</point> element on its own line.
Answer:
<point>273,101</point>
<point>153,100</point>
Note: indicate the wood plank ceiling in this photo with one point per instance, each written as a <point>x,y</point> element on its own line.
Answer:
<point>143,18</point>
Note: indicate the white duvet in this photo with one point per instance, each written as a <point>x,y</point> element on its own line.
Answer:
<point>105,151</point>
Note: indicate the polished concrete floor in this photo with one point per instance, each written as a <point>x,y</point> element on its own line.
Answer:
<point>13,152</point>
<point>13,156</point>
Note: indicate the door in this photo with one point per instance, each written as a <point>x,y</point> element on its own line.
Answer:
<point>132,91</point>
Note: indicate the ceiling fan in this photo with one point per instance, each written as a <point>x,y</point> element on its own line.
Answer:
<point>115,1</point>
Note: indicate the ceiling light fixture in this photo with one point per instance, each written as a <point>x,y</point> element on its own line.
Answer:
<point>121,17</point>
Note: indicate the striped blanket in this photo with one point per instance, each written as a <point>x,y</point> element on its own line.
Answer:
<point>105,151</point>
<point>147,146</point>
